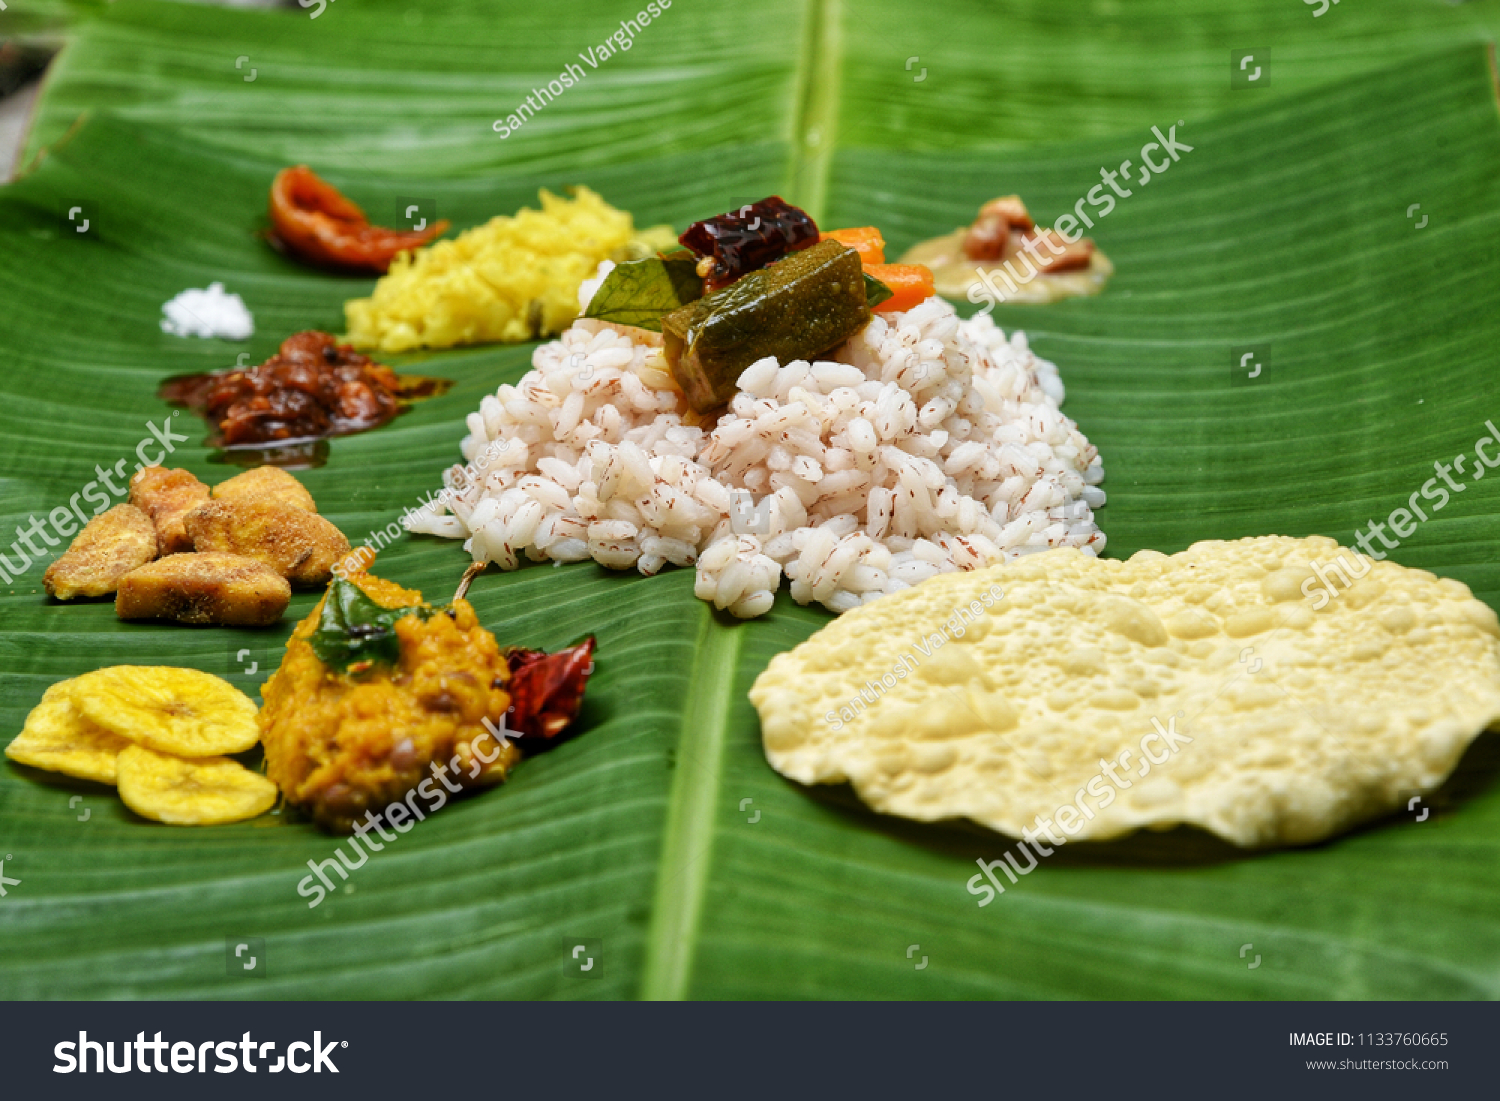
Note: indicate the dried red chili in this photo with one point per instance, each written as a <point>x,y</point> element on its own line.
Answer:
<point>546,690</point>
<point>748,239</point>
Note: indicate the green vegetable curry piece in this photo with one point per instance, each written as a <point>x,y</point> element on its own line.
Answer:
<point>797,308</point>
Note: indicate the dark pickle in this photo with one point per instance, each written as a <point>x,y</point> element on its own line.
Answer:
<point>810,302</point>
<point>748,239</point>
<point>312,389</point>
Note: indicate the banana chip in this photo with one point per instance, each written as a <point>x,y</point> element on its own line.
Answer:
<point>205,792</point>
<point>57,737</point>
<point>183,712</point>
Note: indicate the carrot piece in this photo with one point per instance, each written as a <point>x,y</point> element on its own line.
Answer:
<point>911,284</point>
<point>866,240</point>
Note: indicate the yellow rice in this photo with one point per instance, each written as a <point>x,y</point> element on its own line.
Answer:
<point>512,279</point>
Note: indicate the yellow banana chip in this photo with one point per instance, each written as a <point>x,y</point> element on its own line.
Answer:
<point>208,791</point>
<point>183,712</point>
<point>57,737</point>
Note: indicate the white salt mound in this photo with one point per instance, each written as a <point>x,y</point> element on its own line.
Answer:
<point>923,445</point>
<point>208,313</point>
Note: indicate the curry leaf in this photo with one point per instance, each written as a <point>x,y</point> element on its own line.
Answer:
<point>876,292</point>
<point>639,292</point>
<point>355,632</point>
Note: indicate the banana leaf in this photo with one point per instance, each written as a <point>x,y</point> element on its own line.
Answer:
<point>659,833</point>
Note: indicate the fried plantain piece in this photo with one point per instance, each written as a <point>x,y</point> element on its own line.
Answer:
<point>184,712</point>
<point>60,738</point>
<point>209,791</point>
<point>227,590</point>
<point>266,485</point>
<point>167,496</point>
<point>109,547</point>
<point>300,546</point>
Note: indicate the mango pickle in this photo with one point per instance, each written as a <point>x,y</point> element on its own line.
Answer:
<point>797,308</point>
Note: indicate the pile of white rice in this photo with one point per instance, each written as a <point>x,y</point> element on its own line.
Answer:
<point>928,444</point>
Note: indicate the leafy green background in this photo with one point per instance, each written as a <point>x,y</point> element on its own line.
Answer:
<point>1286,225</point>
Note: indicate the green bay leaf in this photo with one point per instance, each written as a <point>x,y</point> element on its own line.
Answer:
<point>639,292</point>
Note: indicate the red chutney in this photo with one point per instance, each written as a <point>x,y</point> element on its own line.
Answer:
<point>313,388</point>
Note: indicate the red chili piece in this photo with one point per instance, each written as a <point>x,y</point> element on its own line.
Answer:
<point>546,690</point>
<point>748,239</point>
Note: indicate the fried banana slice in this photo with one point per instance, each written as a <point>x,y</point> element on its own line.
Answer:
<point>266,485</point>
<point>167,496</point>
<point>184,712</point>
<point>59,738</point>
<point>109,547</point>
<point>207,792</point>
<point>225,590</point>
<point>299,545</point>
